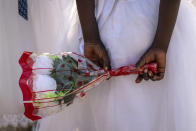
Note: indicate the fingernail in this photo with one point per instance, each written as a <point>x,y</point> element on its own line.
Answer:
<point>137,81</point>
<point>145,70</point>
<point>150,74</point>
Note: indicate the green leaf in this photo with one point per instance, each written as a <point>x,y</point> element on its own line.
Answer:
<point>53,57</point>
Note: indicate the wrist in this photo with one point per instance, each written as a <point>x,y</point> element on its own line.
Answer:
<point>160,44</point>
<point>159,47</point>
<point>94,42</point>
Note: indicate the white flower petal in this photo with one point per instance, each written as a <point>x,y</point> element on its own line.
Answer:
<point>43,65</point>
<point>44,82</point>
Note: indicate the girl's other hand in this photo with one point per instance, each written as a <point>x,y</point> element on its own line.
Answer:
<point>97,53</point>
<point>152,55</point>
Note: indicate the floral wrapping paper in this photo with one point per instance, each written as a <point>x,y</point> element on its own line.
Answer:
<point>51,82</point>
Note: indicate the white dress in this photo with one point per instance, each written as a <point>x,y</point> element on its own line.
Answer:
<point>127,28</point>
<point>16,35</point>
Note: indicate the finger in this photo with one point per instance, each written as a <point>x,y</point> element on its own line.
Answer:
<point>108,78</point>
<point>158,77</point>
<point>101,64</point>
<point>145,75</point>
<point>96,62</point>
<point>92,58</point>
<point>141,62</point>
<point>150,74</point>
<point>160,73</point>
<point>106,63</point>
<point>139,79</point>
<point>104,59</point>
<point>161,70</point>
<point>146,59</point>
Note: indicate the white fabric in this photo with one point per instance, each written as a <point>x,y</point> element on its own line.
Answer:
<point>127,29</point>
<point>15,37</point>
<point>54,25</point>
<point>14,120</point>
<point>43,32</point>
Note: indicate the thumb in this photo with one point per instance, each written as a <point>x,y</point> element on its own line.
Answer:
<point>141,62</point>
<point>106,64</point>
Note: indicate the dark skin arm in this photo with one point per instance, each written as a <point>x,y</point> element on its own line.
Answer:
<point>157,52</point>
<point>94,49</point>
<point>96,52</point>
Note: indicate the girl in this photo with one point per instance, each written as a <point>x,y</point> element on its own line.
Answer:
<point>115,33</point>
<point>112,33</point>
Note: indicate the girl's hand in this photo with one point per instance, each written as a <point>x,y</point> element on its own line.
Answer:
<point>152,55</point>
<point>97,53</point>
<point>168,12</point>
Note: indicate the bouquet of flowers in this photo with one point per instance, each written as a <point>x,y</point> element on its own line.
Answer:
<point>51,82</point>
